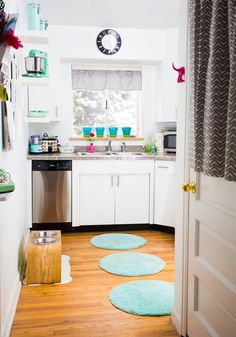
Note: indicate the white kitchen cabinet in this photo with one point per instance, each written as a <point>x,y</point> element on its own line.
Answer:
<point>167,110</point>
<point>132,198</point>
<point>113,192</point>
<point>97,199</point>
<point>164,199</point>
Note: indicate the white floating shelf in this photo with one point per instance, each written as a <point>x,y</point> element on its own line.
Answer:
<point>37,119</point>
<point>35,80</point>
<point>55,119</point>
<point>33,36</point>
<point>5,196</point>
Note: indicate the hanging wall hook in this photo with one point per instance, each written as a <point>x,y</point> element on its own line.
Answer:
<point>181,72</point>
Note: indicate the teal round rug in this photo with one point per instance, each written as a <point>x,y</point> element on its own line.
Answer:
<point>144,298</point>
<point>132,264</point>
<point>118,241</point>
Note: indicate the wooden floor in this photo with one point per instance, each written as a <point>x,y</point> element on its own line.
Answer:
<point>82,308</point>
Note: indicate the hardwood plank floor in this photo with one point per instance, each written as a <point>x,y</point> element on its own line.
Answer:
<point>82,308</point>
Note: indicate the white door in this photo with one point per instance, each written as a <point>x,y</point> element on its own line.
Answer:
<point>132,198</point>
<point>164,209</point>
<point>96,199</point>
<point>212,258</point>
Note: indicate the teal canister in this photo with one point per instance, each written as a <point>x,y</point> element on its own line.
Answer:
<point>33,11</point>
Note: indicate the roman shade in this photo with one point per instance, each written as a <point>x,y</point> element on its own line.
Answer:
<point>106,79</point>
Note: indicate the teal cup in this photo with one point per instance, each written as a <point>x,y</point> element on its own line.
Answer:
<point>86,131</point>
<point>126,131</point>
<point>99,131</point>
<point>113,131</point>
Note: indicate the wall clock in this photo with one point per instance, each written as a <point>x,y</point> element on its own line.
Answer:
<point>108,41</point>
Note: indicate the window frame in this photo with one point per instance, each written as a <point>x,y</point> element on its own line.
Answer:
<point>139,117</point>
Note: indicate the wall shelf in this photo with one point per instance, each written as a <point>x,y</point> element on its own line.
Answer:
<point>41,120</point>
<point>55,119</point>
<point>5,196</point>
<point>37,120</point>
<point>33,36</point>
<point>107,138</point>
<point>35,80</point>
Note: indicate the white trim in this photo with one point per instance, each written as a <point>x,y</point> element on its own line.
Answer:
<point>176,321</point>
<point>139,116</point>
<point>13,301</point>
<point>6,326</point>
<point>105,66</point>
<point>179,316</point>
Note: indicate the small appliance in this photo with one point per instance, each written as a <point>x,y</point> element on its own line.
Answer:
<point>35,144</point>
<point>49,143</point>
<point>169,141</point>
<point>36,64</point>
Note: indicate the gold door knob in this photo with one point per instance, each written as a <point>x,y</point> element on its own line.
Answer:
<point>189,187</point>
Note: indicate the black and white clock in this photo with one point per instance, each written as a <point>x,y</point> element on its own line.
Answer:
<point>108,41</point>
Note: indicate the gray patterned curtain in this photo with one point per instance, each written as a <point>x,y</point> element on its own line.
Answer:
<point>213,91</point>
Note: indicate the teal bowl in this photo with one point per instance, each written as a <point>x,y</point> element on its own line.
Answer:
<point>86,131</point>
<point>112,132</point>
<point>99,131</point>
<point>126,131</point>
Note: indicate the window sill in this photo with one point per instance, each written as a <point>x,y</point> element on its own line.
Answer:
<point>74,138</point>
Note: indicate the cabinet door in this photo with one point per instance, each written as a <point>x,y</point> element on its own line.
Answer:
<point>164,208</point>
<point>96,199</point>
<point>132,198</point>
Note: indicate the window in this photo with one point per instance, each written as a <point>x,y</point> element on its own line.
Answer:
<point>101,100</point>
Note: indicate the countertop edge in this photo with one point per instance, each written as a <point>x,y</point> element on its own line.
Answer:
<point>75,156</point>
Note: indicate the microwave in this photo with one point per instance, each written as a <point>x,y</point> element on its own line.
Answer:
<point>169,140</point>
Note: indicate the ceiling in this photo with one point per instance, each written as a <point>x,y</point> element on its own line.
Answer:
<point>141,14</point>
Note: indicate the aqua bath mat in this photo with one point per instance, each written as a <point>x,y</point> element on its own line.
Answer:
<point>145,297</point>
<point>118,241</point>
<point>132,264</point>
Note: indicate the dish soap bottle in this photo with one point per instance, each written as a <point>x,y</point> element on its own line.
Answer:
<point>153,149</point>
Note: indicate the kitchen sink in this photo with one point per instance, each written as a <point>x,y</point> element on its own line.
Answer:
<point>137,153</point>
<point>111,154</point>
<point>97,153</point>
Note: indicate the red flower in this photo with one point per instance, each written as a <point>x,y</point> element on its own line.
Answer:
<point>11,40</point>
<point>92,134</point>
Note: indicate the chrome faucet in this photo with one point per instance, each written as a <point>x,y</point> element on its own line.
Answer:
<point>109,145</point>
<point>123,147</point>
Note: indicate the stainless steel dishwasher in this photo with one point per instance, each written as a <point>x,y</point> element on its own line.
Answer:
<point>51,191</point>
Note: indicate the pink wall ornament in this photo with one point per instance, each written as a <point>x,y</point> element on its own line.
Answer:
<point>181,72</point>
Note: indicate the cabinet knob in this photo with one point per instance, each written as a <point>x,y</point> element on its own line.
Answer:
<point>189,187</point>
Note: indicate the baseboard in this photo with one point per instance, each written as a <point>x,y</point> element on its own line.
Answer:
<point>176,321</point>
<point>133,227</point>
<point>163,228</point>
<point>6,326</point>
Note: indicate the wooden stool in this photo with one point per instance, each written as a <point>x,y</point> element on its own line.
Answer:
<point>43,264</point>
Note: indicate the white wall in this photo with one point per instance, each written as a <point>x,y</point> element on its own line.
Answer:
<point>69,45</point>
<point>13,227</point>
